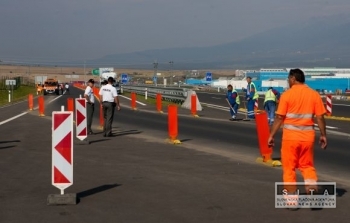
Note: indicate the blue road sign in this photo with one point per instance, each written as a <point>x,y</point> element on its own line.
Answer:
<point>155,79</point>
<point>208,76</point>
<point>124,78</point>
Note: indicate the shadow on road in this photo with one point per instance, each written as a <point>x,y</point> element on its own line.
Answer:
<point>1,142</point>
<point>340,192</point>
<point>98,140</point>
<point>95,190</point>
<point>185,140</point>
<point>7,147</point>
<point>127,132</point>
<point>118,133</point>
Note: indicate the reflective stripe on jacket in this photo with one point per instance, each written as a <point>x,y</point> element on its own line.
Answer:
<point>300,122</point>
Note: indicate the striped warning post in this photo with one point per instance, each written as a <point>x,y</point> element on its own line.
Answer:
<point>329,105</point>
<point>256,105</point>
<point>62,149</point>
<point>80,117</point>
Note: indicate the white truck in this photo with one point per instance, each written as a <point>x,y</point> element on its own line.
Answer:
<point>106,74</point>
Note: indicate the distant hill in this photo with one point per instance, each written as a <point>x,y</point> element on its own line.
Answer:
<point>318,42</point>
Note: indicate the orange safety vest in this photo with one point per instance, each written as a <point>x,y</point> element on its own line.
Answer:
<point>299,105</point>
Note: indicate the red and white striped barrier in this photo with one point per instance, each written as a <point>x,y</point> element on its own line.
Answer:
<point>80,117</point>
<point>62,149</point>
<point>329,105</point>
<point>256,105</point>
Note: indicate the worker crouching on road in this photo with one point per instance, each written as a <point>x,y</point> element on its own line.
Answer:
<point>232,98</point>
<point>251,96</point>
<point>296,110</point>
<point>271,99</point>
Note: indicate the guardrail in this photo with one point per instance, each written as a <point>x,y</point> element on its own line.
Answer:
<point>176,95</point>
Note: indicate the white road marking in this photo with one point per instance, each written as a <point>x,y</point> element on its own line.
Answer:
<point>14,117</point>
<point>218,107</point>
<point>130,100</point>
<point>17,116</point>
<point>227,108</point>
<point>328,127</point>
<point>55,99</point>
<point>201,92</point>
<point>341,105</point>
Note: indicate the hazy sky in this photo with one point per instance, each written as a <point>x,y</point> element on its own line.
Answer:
<point>61,30</point>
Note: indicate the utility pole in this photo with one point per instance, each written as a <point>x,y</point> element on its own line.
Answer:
<point>84,73</point>
<point>155,66</point>
<point>171,73</point>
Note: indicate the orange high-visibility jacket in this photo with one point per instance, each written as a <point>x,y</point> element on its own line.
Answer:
<point>299,104</point>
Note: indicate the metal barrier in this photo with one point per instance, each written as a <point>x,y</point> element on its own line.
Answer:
<point>176,95</point>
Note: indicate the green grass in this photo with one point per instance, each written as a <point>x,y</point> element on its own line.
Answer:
<point>18,95</point>
<point>153,101</point>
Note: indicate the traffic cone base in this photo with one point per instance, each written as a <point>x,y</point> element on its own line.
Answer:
<point>173,141</point>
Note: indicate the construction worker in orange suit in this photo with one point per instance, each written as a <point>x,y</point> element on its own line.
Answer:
<point>39,89</point>
<point>296,111</point>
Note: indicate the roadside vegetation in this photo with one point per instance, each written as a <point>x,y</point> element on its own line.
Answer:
<point>19,94</point>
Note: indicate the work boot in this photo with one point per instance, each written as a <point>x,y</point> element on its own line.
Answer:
<point>292,203</point>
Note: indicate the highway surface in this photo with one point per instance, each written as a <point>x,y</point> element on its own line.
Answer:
<point>212,135</point>
<point>226,136</point>
<point>220,134</point>
<point>340,108</point>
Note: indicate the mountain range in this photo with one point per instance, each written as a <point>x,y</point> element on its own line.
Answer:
<point>319,42</point>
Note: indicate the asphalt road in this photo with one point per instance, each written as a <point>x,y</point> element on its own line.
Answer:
<point>240,137</point>
<point>136,177</point>
<point>340,108</point>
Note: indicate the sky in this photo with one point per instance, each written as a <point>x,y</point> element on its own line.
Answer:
<point>78,30</point>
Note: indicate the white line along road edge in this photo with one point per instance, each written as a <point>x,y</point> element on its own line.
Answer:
<point>130,100</point>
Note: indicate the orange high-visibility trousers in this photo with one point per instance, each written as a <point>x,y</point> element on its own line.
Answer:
<point>298,155</point>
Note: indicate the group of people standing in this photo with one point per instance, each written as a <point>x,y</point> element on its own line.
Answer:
<point>109,100</point>
<point>251,95</point>
<point>296,114</point>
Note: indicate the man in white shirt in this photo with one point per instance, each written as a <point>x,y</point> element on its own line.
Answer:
<point>67,88</point>
<point>109,98</point>
<point>90,104</point>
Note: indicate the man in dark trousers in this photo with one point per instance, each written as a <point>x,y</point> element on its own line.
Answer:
<point>90,104</point>
<point>109,98</point>
<point>67,88</point>
<point>271,99</point>
<point>232,98</point>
